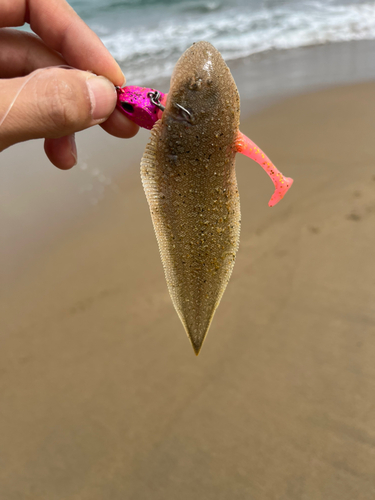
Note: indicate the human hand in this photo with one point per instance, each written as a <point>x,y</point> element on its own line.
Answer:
<point>54,102</point>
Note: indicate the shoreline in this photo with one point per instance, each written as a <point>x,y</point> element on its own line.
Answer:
<point>270,76</point>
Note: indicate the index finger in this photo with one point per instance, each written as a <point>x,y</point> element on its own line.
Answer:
<point>63,30</point>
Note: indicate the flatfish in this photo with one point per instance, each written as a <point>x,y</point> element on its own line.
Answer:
<point>188,175</point>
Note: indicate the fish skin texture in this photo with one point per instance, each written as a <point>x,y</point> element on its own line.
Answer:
<point>188,174</point>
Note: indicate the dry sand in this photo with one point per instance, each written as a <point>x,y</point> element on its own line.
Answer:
<point>101,395</point>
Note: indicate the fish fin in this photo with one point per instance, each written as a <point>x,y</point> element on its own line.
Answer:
<point>247,147</point>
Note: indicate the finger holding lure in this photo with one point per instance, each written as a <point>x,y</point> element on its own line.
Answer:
<point>188,174</point>
<point>145,106</point>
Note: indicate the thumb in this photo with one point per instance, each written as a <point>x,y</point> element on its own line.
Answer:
<point>52,103</point>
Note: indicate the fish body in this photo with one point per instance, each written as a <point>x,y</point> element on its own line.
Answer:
<point>188,174</point>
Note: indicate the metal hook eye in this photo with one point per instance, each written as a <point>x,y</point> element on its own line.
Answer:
<point>155,99</point>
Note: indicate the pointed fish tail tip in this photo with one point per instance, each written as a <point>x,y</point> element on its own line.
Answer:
<point>281,188</point>
<point>196,343</point>
<point>197,340</point>
<point>196,347</point>
<point>197,324</point>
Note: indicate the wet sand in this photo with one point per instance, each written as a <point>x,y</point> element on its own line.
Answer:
<point>101,394</point>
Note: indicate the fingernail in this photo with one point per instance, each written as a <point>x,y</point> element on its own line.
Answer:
<point>124,81</point>
<point>102,97</point>
<point>73,148</point>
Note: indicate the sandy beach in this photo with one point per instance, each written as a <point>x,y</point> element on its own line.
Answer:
<point>101,395</point>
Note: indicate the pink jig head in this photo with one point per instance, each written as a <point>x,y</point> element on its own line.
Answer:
<point>141,105</point>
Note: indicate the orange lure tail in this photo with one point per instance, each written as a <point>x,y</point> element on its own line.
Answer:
<point>247,147</point>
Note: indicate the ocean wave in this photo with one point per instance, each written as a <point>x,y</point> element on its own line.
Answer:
<point>89,9</point>
<point>147,50</point>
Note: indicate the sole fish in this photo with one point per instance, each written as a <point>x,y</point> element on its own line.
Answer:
<point>188,174</point>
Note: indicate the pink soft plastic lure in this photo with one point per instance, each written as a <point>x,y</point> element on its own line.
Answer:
<point>145,107</point>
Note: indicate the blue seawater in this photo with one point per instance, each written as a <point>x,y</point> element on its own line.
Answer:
<point>147,36</point>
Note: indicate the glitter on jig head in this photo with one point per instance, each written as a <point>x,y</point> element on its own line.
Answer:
<point>144,106</point>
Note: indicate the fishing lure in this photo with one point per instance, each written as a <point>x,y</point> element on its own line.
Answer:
<point>143,106</point>
<point>188,174</point>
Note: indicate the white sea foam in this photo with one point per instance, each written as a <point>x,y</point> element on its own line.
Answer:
<point>147,51</point>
